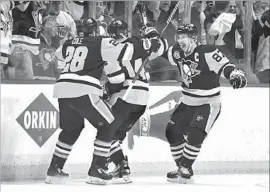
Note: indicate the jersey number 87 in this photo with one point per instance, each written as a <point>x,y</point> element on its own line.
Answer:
<point>75,58</point>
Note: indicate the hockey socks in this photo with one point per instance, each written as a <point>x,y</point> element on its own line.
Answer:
<point>116,153</point>
<point>97,173</point>
<point>189,155</point>
<point>61,153</point>
<point>177,151</point>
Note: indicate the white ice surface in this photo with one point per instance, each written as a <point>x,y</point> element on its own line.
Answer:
<point>202,183</point>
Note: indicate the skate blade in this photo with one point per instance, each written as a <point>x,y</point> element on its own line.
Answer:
<point>56,180</point>
<point>180,180</point>
<point>123,180</point>
<point>176,180</point>
<point>96,181</point>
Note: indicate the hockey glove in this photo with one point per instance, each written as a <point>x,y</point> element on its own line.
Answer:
<point>151,45</point>
<point>238,79</point>
<point>149,32</point>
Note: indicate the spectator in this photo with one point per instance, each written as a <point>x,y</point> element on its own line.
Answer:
<point>6,36</point>
<point>25,39</point>
<point>152,12</point>
<point>102,19</point>
<point>210,8</point>
<point>137,17</point>
<point>160,68</point>
<point>117,9</point>
<point>226,30</point>
<point>260,40</point>
<point>75,8</point>
<point>65,23</point>
<point>198,18</point>
<point>45,64</point>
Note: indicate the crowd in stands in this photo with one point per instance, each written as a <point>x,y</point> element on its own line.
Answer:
<point>38,28</point>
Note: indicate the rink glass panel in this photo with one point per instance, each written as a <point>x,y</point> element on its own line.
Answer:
<point>253,59</point>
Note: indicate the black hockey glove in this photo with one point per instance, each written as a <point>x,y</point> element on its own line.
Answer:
<point>238,79</point>
<point>149,32</point>
<point>155,45</point>
<point>151,45</point>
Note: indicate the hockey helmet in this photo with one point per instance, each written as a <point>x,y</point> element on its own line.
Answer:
<point>87,27</point>
<point>188,29</point>
<point>118,29</point>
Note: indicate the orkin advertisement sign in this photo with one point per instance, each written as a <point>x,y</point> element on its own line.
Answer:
<point>40,120</point>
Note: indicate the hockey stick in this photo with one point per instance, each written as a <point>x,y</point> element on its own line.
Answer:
<point>146,60</point>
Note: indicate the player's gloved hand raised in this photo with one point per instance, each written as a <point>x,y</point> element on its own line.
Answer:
<point>155,45</point>
<point>151,45</point>
<point>238,79</point>
<point>149,32</point>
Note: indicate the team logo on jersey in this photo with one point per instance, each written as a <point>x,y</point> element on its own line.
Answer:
<point>46,57</point>
<point>39,120</point>
<point>188,70</point>
<point>199,118</point>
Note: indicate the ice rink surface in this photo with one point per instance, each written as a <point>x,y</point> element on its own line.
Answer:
<point>202,183</point>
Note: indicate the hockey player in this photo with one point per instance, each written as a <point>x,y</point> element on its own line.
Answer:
<point>133,107</point>
<point>201,67</point>
<point>79,96</point>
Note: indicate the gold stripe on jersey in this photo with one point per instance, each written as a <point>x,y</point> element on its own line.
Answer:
<point>201,92</point>
<point>135,96</point>
<point>72,85</point>
<point>170,56</point>
<point>102,108</point>
<point>214,112</point>
<point>196,101</point>
<point>138,83</point>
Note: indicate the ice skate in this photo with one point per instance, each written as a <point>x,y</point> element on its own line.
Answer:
<point>121,173</point>
<point>185,175</point>
<point>97,174</point>
<point>177,176</point>
<point>56,175</point>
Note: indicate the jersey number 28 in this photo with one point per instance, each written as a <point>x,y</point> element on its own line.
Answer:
<point>75,58</point>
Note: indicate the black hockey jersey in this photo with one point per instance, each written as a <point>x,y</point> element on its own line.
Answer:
<point>45,63</point>
<point>84,60</point>
<point>200,73</point>
<point>26,26</point>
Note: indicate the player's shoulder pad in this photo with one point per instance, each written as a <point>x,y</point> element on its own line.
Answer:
<point>177,52</point>
<point>133,40</point>
<point>108,40</point>
<point>67,43</point>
